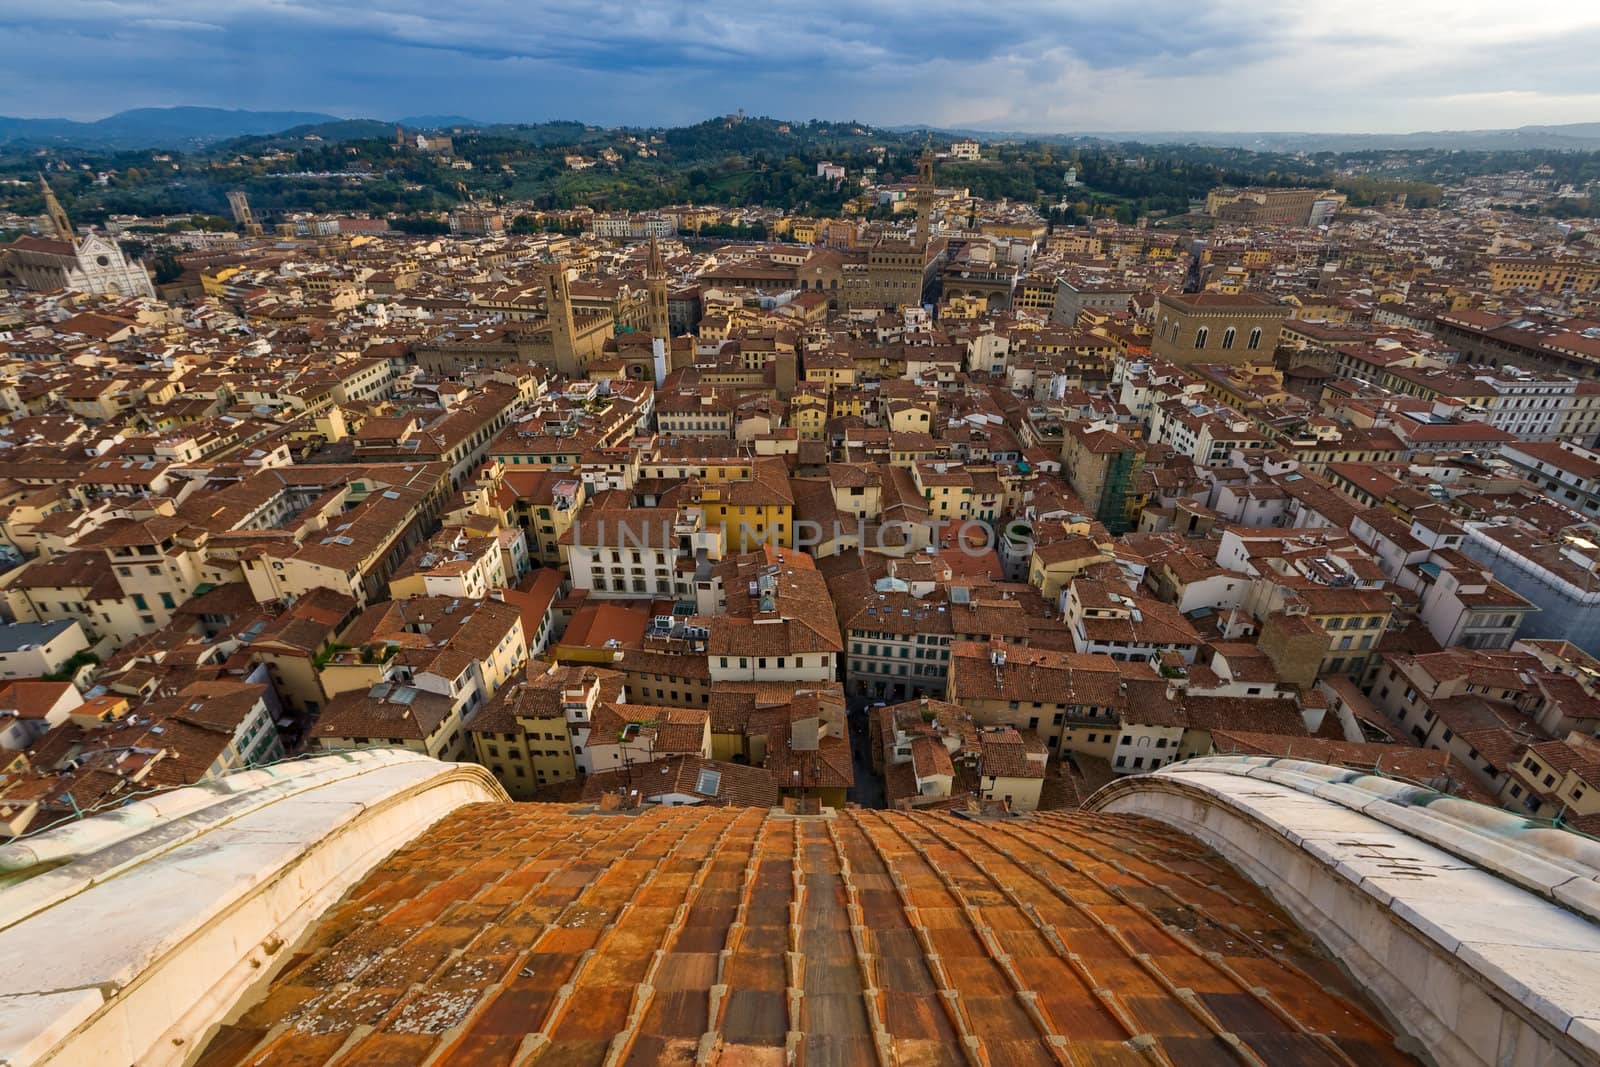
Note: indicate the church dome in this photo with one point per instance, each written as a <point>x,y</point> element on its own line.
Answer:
<point>381,907</point>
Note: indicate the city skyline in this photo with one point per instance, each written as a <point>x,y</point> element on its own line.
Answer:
<point>900,533</point>
<point>1036,67</point>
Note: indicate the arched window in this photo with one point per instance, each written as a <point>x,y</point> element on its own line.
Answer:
<point>1255,339</point>
<point>1200,336</point>
<point>1227,337</point>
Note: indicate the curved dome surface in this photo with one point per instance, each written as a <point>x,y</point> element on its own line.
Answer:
<point>383,908</point>
<point>869,937</point>
<point>1477,929</point>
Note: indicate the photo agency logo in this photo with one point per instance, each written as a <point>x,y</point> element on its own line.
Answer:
<point>970,537</point>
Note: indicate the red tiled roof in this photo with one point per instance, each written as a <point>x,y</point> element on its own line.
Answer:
<point>510,929</point>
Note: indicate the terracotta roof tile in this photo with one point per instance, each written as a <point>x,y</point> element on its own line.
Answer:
<point>505,930</point>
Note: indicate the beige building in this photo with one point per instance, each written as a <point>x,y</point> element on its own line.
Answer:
<point>452,564</point>
<point>1011,767</point>
<point>33,649</point>
<point>1551,778</point>
<point>391,715</point>
<point>296,644</point>
<point>1104,465</point>
<point>1069,699</point>
<point>1264,206</point>
<point>1524,272</point>
<point>624,736</point>
<point>534,732</point>
<point>779,624</point>
<point>1054,564</point>
<point>354,553</point>
<point>1215,327</point>
<point>440,659</point>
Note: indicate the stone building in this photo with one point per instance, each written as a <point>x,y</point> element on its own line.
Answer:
<point>64,260</point>
<point>1215,327</point>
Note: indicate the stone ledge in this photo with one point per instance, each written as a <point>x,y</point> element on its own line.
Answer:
<point>75,840</point>
<point>1559,866</point>
<point>1473,966</point>
<point>41,871</point>
<point>133,950</point>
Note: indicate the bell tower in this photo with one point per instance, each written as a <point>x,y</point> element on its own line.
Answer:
<point>655,277</point>
<point>563,330</point>
<point>239,202</point>
<point>925,198</point>
<point>58,215</point>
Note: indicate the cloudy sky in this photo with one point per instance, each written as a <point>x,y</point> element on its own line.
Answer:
<point>1304,65</point>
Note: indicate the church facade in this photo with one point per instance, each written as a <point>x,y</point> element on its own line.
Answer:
<point>94,264</point>
<point>64,260</point>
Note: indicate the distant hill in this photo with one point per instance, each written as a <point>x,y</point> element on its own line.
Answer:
<point>154,127</point>
<point>436,122</point>
<point>1577,136</point>
<point>338,130</point>
<point>192,127</point>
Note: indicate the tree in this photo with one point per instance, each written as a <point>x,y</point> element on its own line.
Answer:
<point>420,225</point>
<point>166,266</point>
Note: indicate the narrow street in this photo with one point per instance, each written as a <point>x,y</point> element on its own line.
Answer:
<point>868,789</point>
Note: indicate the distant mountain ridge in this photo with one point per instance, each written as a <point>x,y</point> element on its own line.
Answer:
<point>155,127</point>
<point>436,122</point>
<point>186,127</point>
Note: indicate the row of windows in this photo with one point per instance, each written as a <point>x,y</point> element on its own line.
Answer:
<point>870,667</point>
<point>781,661</point>
<point>1203,334</point>
<point>637,570</point>
<point>667,423</point>
<point>905,652</point>
<point>621,585</point>
<point>922,639</point>
<point>1353,623</point>
<point>663,694</point>
<point>1344,642</point>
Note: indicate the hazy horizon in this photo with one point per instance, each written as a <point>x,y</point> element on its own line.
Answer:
<point>478,119</point>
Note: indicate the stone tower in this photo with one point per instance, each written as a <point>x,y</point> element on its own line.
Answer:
<point>924,198</point>
<point>239,202</point>
<point>58,215</point>
<point>655,277</point>
<point>563,330</point>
